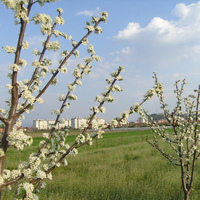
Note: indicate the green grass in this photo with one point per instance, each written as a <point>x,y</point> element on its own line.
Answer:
<point>122,165</point>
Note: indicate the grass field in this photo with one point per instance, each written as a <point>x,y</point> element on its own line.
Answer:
<point>122,165</point>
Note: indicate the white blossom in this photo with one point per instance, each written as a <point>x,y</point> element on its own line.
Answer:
<point>76,53</point>
<point>99,99</point>
<point>27,173</point>
<point>77,73</point>
<point>78,82</point>
<point>60,10</point>
<point>63,69</point>
<point>61,97</point>
<point>25,45</point>
<point>80,138</point>
<point>97,58</point>
<point>64,53</point>
<point>18,139</point>
<point>40,100</point>
<point>71,87</point>
<point>9,49</point>
<point>22,62</point>
<point>57,33</point>
<point>1,180</point>
<point>41,174</point>
<point>6,174</point>
<point>80,66</point>
<point>55,112</point>
<point>72,97</point>
<point>85,41</point>
<point>89,28</point>
<point>74,152</point>
<point>98,30</point>
<point>15,173</point>
<point>9,86</point>
<point>53,45</point>
<point>59,20</point>
<point>49,176</point>
<point>70,37</point>
<point>73,43</point>
<point>28,187</point>
<point>103,109</point>
<point>1,152</point>
<point>14,67</point>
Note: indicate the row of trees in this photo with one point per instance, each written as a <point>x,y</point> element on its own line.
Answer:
<point>53,149</point>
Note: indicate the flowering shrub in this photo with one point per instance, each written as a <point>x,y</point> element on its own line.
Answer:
<point>185,138</point>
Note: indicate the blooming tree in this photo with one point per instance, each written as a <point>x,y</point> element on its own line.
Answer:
<point>53,149</point>
<point>30,174</point>
<point>184,140</point>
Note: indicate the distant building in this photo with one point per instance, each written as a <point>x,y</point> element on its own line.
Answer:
<point>162,121</point>
<point>99,121</point>
<point>42,124</point>
<point>76,122</point>
<point>141,120</point>
<point>68,122</point>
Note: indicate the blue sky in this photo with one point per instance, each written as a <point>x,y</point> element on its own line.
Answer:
<point>142,35</point>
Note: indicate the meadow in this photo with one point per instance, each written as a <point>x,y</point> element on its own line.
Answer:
<point>120,166</point>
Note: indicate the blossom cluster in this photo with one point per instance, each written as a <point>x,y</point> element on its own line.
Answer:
<point>185,138</point>
<point>27,188</point>
<point>18,139</point>
<point>98,110</point>
<point>53,45</point>
<point>106,97</point>
<point>9,49</point>
<point>20,11</point>
<point>46,23</point>
<point>38,164</point>
<point>59,20</point>
<point>91,26</point>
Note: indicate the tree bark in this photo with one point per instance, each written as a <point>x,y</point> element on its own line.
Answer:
<point>1,168</point>
<point>186,196</point>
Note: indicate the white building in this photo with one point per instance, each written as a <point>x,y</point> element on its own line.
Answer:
<point>68,122</point>
<point>76,122</point>
<point>41,124</point>
<point>142,120</point>
<point>100,121</point>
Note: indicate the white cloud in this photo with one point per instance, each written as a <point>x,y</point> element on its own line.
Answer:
<point>89,12</point>
<point>103,69</point>
<point>187,14</point>
<point>4,69</point>
<point>35,41</point>
<point>163,43</point>
<point>130,31</point>
<point>126,50</point>
<point>178,76</point>
<point>169,47</point>
<point>185,29</point>
<point>116,59</point>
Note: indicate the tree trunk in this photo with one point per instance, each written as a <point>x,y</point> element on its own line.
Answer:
<point>1,168</point>
<point>186,195</point>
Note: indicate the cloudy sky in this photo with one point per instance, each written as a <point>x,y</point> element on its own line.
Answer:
<point>142,35</point>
